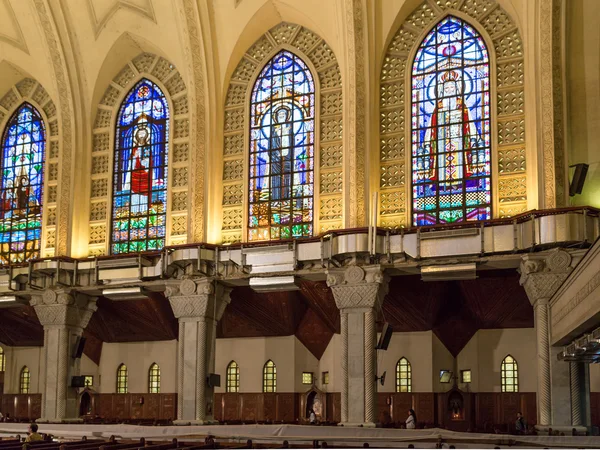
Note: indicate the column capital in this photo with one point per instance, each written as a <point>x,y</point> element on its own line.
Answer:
<point>543,273</point>
<point>193,298</point>
<point>357,286</point>
<point>63,307</point>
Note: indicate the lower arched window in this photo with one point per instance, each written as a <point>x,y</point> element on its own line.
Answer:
<point>269,377</point>
<point>233,377</point>
<point>122,379</point>
<point>2,362</point>
<point>403,376</point>
<point>510,375</point>
<point>24,382</point>
<point>154,379</point>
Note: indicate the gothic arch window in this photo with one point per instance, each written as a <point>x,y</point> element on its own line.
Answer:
<point>24,381</point>
<point>510,374</point>
<point>282,123</point>
<point>233,377</point>
<point>269,377</point>
<point>139,210</point>
<point>22,185</point>
<point>403,376</point>
<point>122,378</point>
<point>2,360</point>
<point>154,379</point>
<point>451,165</point>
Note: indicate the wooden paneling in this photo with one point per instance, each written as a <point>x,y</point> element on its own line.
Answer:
<point>499,410</point>
<point>24,407</point>
<point>334,407</point>
<point>398,404</point>
<point>595,408</point>
<point>136,406</point>
<point>258,407</point>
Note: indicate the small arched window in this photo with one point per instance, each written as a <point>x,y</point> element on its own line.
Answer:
<point>403,376</point>
<point>25,380</point>
<point>269,377</point>
<point>122,377</point>
<point>510,375</point>
<point>233,377</point>
<point>22,185</point>
<point>154,379</point>
<point>2,361</point>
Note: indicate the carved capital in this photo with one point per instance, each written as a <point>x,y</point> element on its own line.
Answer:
<point>63,307</point>
<point>201,299</point>
<point>543,273</point>
<point>357,287</point>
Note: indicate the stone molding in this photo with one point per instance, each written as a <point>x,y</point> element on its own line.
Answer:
<point>194,299</point>
<point>63,307</point>
<point>542,274</point>
<point>357,287</point>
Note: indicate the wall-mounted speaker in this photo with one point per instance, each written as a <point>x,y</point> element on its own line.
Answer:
<point>385,337</point>
<point>78,348</point>
<point>213,380</point>
<point>78,382</point>
<point>579,175</point>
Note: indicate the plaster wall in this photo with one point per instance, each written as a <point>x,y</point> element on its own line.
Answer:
<point>15,359</point>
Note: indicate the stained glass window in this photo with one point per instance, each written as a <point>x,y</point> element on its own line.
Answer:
<point>88,380</point>
<point>451,180</point>
<point>122,379</point>
<point>140,171</point>
<point>22,186</point>
<point>510,375</point>
<point>269,377</point>
<point>154,379</point>
<point>24,381</point>
<point>233,377</point>
<point>403,376</point>
<point>2,362</point>
<point>307,378</point>
<point>282,122</point>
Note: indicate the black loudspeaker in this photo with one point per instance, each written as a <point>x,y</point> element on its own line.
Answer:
<point>579,175</point>
<point>78,349</point>
<point>386,336</point>
<point>78,382</point>
<point>214,380</point>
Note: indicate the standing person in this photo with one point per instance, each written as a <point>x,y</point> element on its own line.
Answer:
<point>312,418</point>
<point>33,435</point>
<point>411,420</point>
<point>520,425</point>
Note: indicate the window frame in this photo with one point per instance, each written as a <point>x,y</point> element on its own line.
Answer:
<point>514,372</point>
<point>403,362</point>
<point>122,379</point>
<point>2,359</point>
<point>154,379</point>
<point>232,377</point>
<point>462,376</point>
<point>308,374</point>
<point>25,381</point>
<point>269,384</point>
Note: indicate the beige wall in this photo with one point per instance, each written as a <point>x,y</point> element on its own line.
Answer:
<point>331,362</point>
<point>486,350</point>
<point>594,377</point>
<point>442,359</point>
<point>583,94</point>
<point>15,359</point>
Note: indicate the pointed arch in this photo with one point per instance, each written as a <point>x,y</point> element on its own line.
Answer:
<point>269,377</point>
<point>233,377</point>
<point>403,375</point>
<point>2,360</point>
<point>25,381</point>
<point>499,127</point>
<point>314,55</point>
<point>22,185</point>
<point>154,379</point>
<point>122,379</point>
<point>169,203</point>
<point>509,374</point>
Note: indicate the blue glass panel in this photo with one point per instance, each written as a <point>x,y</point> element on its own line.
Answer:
<point>450,126</point>
<point>22,185</point>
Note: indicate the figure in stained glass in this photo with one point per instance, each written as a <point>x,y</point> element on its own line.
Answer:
<point>450,126</point>
<point>23,157</point>
<point>139,190</point>
<point>281,150</point>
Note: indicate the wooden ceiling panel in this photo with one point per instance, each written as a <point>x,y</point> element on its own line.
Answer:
<point>319,298</point>
<point>20,327</point>
<point>314,333</point>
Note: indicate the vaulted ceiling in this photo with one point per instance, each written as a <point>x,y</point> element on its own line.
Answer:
<point>454,310</point>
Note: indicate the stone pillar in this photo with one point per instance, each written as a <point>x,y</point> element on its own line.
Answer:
<point>198,305</point>
<point>358,293</point>
<point>576,409</point>
<point>64,314</point>
<point>541,276</point>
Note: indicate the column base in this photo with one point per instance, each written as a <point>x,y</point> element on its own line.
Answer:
<point>357,424</point>
<point>566,429</point>
<point>196,422</point>
<point>67,421</point>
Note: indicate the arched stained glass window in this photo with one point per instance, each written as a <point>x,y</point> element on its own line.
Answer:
<point>510,375</point>
<point>233,377</point>
<point>2,360</point>
<point>451,179</point>
<point>403,376</point>
<point>24,381</point>
<point>140,171</point>
<point>22,186</point>
<point>154,379</point>
<point>282,122</point>
<point>269,377</point>
<point>122,378</point>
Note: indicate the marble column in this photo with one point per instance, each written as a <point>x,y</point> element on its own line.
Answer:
<point>541,276</point>
<point>64,314</point>
<point>358,293</point>
<point>198,305</point>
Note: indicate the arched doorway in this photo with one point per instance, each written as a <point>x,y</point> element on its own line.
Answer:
<point>315,400</point>
<point>87,403</point>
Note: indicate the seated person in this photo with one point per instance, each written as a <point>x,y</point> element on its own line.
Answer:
<point>33,435</point>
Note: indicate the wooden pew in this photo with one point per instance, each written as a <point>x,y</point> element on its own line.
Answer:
<point>123,446</point>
